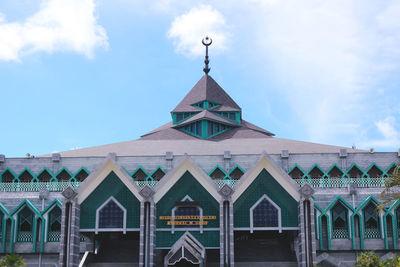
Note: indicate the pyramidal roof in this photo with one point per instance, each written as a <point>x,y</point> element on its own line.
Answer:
<point>206,89</point>
<point>225,112</point>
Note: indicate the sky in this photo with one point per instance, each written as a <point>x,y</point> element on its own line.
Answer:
<point>80,73</point>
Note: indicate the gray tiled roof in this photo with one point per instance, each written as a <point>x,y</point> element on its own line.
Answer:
<point>206,89</point>
<point>194,146</point>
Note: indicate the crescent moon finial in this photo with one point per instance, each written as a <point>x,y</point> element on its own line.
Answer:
<point>207,41</point>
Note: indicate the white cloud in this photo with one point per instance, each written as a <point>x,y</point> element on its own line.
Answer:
<point>391,136</point>
<point>187,30</point>
<point>59,25</point>
<point>327,59</point>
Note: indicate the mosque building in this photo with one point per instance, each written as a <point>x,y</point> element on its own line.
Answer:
<point>208,188</point>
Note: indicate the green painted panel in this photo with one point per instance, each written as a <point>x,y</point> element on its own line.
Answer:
<point>265,184</point>
<point>187,185</point>
<point>207,239</point>
<point>111,186</point>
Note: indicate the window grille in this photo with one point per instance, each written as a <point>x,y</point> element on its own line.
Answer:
<point>217,174</point>
<point>54,226</point>
<point>111,216</point>
<point>25,177</point>
<point>81,175</point>
<point>296,173</point>
<point>265,215</point>
<point>236,173</point>
<point>25,225</point>
<point>7,177</point>
<point>371,222</point>
<point>44,176</point>
<point>398,220</point>
<point>340,222</point>
<point>1,223</point>
<point>63,176</point>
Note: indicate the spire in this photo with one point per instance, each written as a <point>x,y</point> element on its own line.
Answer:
<point>207,41</point>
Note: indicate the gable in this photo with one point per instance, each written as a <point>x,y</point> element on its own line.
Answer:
<point>281,177</point>
<point>174,175</point>
<point>111,186</point>
<point>265,184</point>
<point>95,178</point>
<point>187,185</point>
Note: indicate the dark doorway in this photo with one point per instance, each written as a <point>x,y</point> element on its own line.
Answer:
<point>117,247</point>
<point>252,247</point>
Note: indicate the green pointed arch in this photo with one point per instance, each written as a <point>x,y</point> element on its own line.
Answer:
<point>52,179</point>
<point>386,173</point>
<point>4,225</point>
<point>335,166</point>
<point>140,168</point>
<point>67,171</point>
<point>299,168</point>
<point>49,208</point>
<point>236,167</point>
<point>354,165</point>
<point>10,171</point>
<point>374,165</point>
<point>159,168</point>
<point>28,171</point>
<point>15,212</point>
<point>221,169</point>
<point>78,171</point>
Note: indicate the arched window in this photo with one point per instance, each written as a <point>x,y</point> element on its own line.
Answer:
<point>265,215</point>
<point>111,215</point>
<point>25,225</point>
<point>187,207</point>
<point>398,219</point>
<point>1,224</point>
<point>371,221</point>
<point>340,225</point>
<point>54,225</point>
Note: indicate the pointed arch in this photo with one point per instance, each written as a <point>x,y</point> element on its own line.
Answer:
<point>51,226</point>
<point>25,218</point>
<point>374,171</point>
<point>26,176</point>
<point>3,222</point>
<point>187,210</point>
<point>236,173</point>
<point>371,222</point>
<point>354,171</point>
<point>390,169</point>
<point>265,214</point>
<point>218,173</point>
<point>81,174</point>
<point>158,173</point>
<point>64,175</point>
<point>111,216</point>
<point>315,172</point>
<point>296,172</point>
<point>8,176</point>
<point>140,175</point>
<point>335,172</point>
<point>45,175</point>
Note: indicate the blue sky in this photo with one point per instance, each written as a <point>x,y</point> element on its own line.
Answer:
<point>79,73</point>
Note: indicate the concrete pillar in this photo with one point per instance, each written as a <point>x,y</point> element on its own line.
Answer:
<point>306,237</point>
<point>70,230</point>
<point>226,226</point>
<point>147,227</point>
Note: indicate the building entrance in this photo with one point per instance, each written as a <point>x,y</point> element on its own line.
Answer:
<point>117,247</point>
